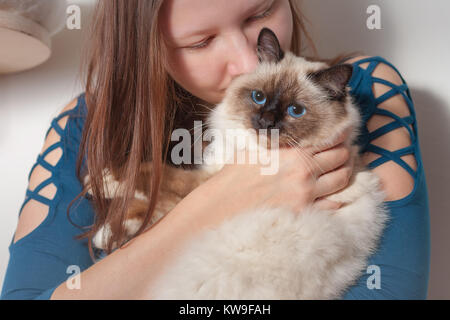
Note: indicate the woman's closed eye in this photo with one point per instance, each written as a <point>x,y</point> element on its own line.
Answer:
<point>265,14</point>
<point>207,41</point>
<point>202,44</point>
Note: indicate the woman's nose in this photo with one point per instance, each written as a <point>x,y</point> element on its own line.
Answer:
<point>242,56</point>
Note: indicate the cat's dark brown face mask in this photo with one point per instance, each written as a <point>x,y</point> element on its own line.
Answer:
<point>305,100</point>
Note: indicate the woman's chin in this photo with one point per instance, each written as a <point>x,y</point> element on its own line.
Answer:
<point>217,98</point>
<point>213,97</point>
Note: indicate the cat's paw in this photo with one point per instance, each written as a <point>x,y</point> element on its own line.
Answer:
<point>361,183</point>
<point>132,226</point>
<point>101,237</point>
<point>110,184</point>
<point>104,234</point>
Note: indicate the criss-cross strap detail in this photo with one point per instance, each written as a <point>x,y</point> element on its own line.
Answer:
<point>398,122</point>
<point>35,193</point>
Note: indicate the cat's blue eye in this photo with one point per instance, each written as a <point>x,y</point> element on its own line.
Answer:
<point>258,97</point>
<point>296,111</point>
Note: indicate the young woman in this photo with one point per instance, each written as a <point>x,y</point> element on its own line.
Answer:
<point>152,63</point>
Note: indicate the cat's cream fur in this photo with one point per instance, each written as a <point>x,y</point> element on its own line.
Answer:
<point>275,253</point>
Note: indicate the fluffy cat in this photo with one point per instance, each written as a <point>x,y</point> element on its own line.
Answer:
<point>275,253</point>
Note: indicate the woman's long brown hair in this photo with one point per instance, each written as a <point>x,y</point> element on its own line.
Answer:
<point>131,103</point>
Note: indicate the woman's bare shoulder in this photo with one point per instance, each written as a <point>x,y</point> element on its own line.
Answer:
<point>397,182</point>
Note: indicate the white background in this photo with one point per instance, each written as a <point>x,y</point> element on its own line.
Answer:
<point>414,37</point>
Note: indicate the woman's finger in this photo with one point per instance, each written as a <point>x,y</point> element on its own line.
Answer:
<point>331,159</point>
<point>334,181</point>
<point>326,204</point>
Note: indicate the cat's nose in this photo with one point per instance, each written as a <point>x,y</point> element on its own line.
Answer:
<point>265,121</point>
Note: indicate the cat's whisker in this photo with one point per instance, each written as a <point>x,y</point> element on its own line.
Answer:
<point>202,125</point>
<point>205,106</point>
<point>202,113</point>
<point>209,122</point>
<point>306,156</point>
<point>198,138</point>
<point>311,159</point>
<point>302,156</point>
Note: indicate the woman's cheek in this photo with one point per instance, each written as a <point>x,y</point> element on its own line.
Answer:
<point>186,69</point>
<point>204,74</point>
<point>200,76</point>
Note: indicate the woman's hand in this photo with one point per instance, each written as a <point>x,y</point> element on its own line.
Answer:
<point>300,181</point>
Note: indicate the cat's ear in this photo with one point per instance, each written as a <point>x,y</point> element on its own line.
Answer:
<point>269,49</point>
<point>334,80</point>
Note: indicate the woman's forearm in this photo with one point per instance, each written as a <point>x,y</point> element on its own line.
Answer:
<point>129,272</point>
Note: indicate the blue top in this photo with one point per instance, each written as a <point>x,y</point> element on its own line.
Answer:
<point>44,258</point>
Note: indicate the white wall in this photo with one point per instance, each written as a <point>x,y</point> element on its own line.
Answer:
<point>414,37</point>
<point>28,102</point>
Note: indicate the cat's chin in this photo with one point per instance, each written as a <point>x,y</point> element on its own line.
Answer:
<point>349,126</point>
